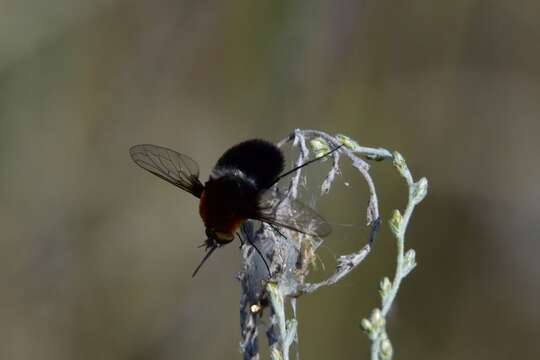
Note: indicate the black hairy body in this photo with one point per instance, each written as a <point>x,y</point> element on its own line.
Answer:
<point>231,195</point>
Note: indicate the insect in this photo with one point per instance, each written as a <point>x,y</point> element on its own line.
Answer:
<point>238,189</point>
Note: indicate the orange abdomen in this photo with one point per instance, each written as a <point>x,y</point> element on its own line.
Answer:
<point>219,215</point>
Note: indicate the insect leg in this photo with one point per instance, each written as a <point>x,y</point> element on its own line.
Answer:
<point>242,242</point>
<point>277,230</point>
<point>260,254</point>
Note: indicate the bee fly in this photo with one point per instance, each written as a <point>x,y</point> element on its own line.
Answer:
<point>238,189</point>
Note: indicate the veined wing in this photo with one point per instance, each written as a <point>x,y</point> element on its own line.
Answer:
<point>278,210</point>
<point>178,169</point>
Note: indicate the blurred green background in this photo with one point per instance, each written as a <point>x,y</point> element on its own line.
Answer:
<point>96,255</point>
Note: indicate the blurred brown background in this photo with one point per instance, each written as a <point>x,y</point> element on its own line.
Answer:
<point>96,255</point>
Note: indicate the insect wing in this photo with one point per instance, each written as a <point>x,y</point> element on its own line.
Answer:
<point>277,209</point>
<point>171,166</point>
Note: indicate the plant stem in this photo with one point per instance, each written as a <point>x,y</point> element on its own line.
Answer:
<point>381,347</point>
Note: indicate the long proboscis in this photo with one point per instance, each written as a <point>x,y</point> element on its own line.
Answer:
<point>212,249</point>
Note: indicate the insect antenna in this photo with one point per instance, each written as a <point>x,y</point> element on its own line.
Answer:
<point>305,164</point>
<point>204,259</point>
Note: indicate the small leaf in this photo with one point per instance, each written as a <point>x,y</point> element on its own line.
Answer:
<point>386,285</point>
<point>410,262</point>
<point>366,325</point>
<point>395,222</point>
<point>386,349</point>
<point>419,190</point>
<point>400,164</point>
<point>347,141</point>
<point>410,256</point>
<point>319,146</point>
<point>377,319</point>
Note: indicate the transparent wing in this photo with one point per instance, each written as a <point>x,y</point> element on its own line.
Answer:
<point>277,209</point>
<point>176,168</point>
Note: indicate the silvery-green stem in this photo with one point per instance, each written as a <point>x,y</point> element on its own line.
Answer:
<point>375,327</point>
<point>287,328</point>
